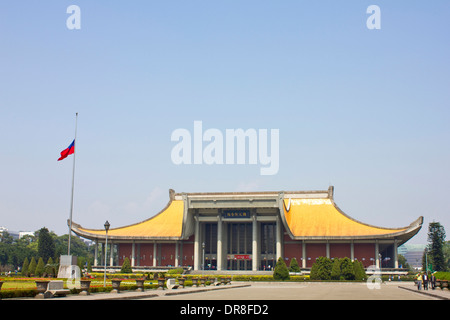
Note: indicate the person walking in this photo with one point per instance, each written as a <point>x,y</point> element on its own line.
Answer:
<point>425,281</point>
<point>433,281</point>
<point>419,281</point>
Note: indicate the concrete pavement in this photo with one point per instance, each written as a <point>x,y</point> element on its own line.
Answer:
<point>317,291</point>
<point>151,293</point>
<point>276,291</point>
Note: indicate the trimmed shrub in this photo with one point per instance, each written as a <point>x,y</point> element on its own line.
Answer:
<point>294,267</point>
<point>40,267</point>
<point>360,273</point>
<point>281,271</point>
<point>89,266</point>
<point>175,271</point>
<point>31,267</point>
<point>18,293</point>
<point>321,269</point>
<point>50,268</point>
<point>342,269</point>
<point>25,267</point>
<point>442,275</point>
<point>336,269</point>
<point>126,266</point>
<point>347,271</point>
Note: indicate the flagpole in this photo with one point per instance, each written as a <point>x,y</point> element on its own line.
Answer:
<point>73,182</point>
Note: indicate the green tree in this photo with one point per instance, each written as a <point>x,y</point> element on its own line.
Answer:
<point>43,244</point>
<point>294,267</point>
<point>46,245</point>
<point>281,271</point>
<point>447,254</point>
<point>25,267</point>
<point>360,273</point>
<point>402,262</point>
<point>126,266</point>
<point>32,267</point>
<point>6,241</point>
<point>347,271</point>
<point>50,268</point>
<point>436,240</point>
<point>336,269</point>
<point>22,249</point>
<point>40,267</point>
<point>77,247</point>
<point>321,269</point>
<point>89,266</point>
<point>6,238</point>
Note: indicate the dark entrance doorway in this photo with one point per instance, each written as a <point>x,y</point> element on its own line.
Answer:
<point>210,247</point>
<point>268,243</point>
<point>239,253</point>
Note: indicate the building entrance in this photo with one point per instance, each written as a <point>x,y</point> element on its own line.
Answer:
<point>239,246</point>
<point>209,247</point>
<point>268,242</point>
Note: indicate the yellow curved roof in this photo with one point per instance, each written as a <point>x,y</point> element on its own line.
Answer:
<point>321,218</point>
<point>166,224</point>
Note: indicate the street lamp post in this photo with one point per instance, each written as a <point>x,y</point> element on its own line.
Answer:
<point>106,250</point>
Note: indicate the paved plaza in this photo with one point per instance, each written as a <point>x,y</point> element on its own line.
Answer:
<point>257,299</point>
<point>279,291</point>
<point>314,291</point>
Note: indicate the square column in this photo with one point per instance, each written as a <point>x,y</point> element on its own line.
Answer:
<point>304,254</point>
<point>133,253</point>
<point>377,252</point>
<point>352,251</point>
<point>177,263</point>
<point>197,244</point>
<point>278,240</point>
<point>255,256</point>
<point>111,256</point>
<point>219,243</point>
<point>96,253</point>
<point>395,254</point>
<point>155,252</point>
<point>102,256</point>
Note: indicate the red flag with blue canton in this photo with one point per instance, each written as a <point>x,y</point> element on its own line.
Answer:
<point>68,151</point>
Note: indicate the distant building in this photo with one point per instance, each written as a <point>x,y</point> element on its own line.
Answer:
<point>250,231</point>
<point>25,233</point>
<point>16,234</point>
<point>413,254</point>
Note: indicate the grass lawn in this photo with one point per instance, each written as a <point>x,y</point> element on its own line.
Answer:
<point>18,285</point>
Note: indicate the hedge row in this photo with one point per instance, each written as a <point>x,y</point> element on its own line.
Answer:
<point>18,293</point>
<point>265,278</point>
<point>21,293</point>
<point>441,275</point>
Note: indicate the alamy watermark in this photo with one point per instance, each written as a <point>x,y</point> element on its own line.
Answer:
<point>374,280</point>
<point>73,22</point>
<point>235,146</point>
<point>374,20</point>
<point>73,281</point>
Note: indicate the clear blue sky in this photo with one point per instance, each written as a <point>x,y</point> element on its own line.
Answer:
<point>364,110</point>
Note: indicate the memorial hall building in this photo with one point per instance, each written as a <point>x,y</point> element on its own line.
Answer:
<point>249,231</point>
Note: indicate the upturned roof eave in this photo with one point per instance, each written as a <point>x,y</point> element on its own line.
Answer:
<point>403,235</point>
<point>102,237</point>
